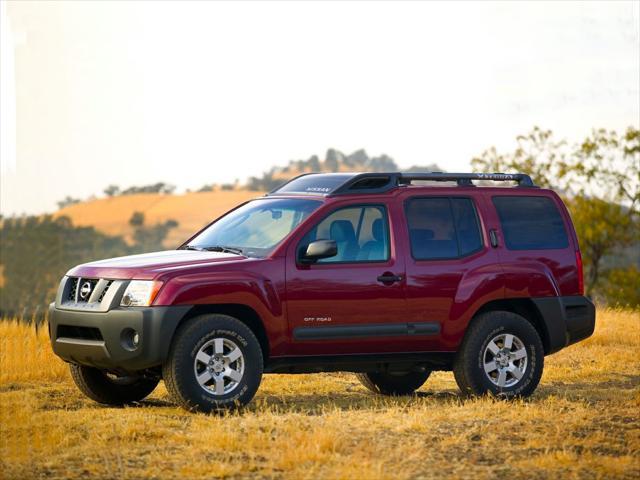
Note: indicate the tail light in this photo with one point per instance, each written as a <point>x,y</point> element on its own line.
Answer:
<point>580,272</point>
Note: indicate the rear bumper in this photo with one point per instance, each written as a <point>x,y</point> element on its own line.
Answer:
<point>102,339</point>
<point>567,320</point>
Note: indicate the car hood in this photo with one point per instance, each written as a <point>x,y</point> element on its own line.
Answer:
<point>148,266</point>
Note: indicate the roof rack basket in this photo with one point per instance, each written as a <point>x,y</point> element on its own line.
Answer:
<point>465,179</point>
<point>382,182</point>
<point>331,184</point>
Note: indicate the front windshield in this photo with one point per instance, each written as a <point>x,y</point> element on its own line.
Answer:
<point>255,228</point>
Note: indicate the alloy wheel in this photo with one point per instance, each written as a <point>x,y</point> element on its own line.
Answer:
<point>219,366</point>
<point>505,360</point>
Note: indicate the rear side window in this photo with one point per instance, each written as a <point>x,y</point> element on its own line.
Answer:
<point>531,223</point>
<point>442,228</point>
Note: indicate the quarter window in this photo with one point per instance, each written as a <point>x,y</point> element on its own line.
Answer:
<point>530,223</point>
<point>361,234</point>
<point>442,228</point>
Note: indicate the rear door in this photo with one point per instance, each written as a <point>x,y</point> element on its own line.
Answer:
<point>350,303</point>
<point>451,267</point>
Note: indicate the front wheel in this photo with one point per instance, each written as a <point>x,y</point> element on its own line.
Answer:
<point>109,389</point>
<point>393,383</point>
<point>215,363</point>
<point>502,354</point>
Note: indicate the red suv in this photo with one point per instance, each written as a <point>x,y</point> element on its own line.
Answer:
<point>388,275</point>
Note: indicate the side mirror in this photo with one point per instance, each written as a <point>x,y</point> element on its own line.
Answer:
<point>319,249</point>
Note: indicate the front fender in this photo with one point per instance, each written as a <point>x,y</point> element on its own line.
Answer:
<point>249,289</point>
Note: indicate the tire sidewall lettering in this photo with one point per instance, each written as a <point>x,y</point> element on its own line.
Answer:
<point>201,333</point>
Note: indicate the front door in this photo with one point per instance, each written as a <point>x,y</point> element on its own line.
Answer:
<point>353,302</point>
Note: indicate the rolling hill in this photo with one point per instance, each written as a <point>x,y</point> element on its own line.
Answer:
<point>192,211</point>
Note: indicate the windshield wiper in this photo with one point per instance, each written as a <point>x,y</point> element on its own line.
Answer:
<point>215,248</point>
<point>221,248</point>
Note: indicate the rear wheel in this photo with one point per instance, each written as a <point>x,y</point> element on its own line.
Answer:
<point>502,354</point>
<point>393,383</point>
<point>215,363</point>
<point>109,389</point>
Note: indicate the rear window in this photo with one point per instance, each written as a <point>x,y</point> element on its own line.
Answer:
<point>442,228</point>
<point>531,223</point>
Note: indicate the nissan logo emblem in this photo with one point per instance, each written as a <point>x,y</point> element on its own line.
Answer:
<point>85,290</point>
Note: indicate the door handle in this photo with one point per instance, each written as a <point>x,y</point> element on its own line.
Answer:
<point>388,277</point>
<point>493,237</point>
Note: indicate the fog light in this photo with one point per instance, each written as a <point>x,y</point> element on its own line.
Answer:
<point>129,339</point>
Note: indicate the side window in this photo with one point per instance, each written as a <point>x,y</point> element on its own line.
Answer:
<point>467,227</point>
<point>442,228</point>
<point>531,223</point>
<point>361,234</point>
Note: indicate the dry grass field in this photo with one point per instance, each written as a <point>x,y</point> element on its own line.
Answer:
<point>111,215</point>
<point>583,422</point>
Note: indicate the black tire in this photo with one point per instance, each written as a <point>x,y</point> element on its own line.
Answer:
<point>111,390</point>
<point>179,371</point>
<point>393,383</point>
<point>469,366</point>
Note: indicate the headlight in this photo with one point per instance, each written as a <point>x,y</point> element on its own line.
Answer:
<point>140,293</point>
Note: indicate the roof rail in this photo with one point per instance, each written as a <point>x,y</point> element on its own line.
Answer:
<point>331,184</point>
<point>465,179</point>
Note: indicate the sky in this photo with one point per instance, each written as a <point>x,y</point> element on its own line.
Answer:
<point>190,93</point>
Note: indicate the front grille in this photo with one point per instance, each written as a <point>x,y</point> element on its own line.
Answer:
<point>104,291</point>
<point>83,333</point>
<point>82,289</point>
<point>72,291</point>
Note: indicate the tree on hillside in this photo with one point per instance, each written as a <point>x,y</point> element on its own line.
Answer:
<point>602,228</point>
<point>599,179</point>
<point>137,219</point>
<point>383,163</point>
<point>159,187</point>
<point>112,190</point>
<point>314,163</point>
<point>67,201</point>
<point>148,238</point>
<point>37,251</point>
<point>608,164</point>
<point>332,160</point>
<point>357,158</point>
<point>432,167</point>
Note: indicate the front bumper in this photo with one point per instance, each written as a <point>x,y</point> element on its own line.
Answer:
<point>101,338</point>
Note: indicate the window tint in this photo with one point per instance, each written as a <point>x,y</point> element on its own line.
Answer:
<point>361,234</point>
<point>442,228</point>
<point>530,223</point>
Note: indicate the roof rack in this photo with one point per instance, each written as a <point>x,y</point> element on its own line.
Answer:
<point>332,184</point>
<point>465,179</point>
